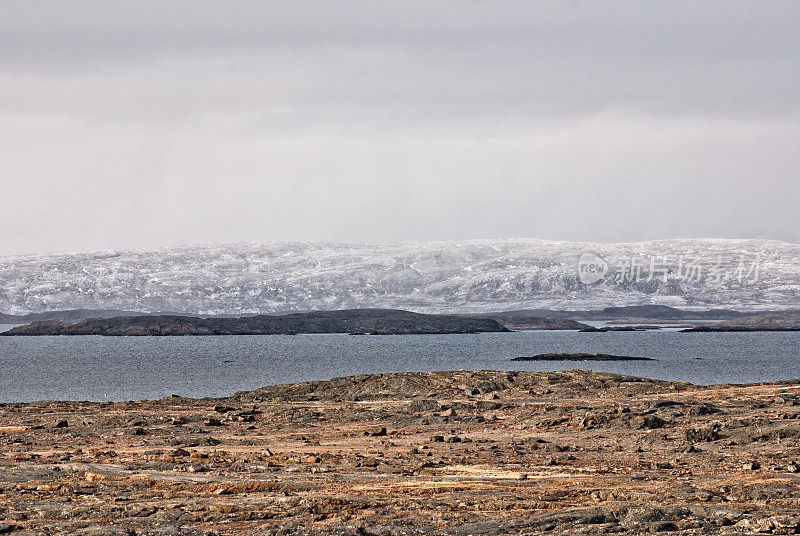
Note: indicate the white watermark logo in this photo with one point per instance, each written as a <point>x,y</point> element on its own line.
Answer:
<point>591,268</point>
<point>717,271</point>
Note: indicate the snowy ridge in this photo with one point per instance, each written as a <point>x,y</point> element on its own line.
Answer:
<point>478,275</point>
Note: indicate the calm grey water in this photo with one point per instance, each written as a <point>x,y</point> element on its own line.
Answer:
<point>133,368</point>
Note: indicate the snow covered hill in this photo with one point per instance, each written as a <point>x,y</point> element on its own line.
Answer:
<point>478,275</point>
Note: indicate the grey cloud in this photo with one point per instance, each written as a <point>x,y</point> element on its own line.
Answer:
<point>154,123</point>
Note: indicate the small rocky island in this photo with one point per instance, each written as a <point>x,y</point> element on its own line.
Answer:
<point>352,321</point>
<point>580,357</point>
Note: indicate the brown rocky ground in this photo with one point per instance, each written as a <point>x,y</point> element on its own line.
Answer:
<point>441,453</point>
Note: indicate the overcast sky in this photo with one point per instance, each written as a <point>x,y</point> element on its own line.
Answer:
<point>148,124</point>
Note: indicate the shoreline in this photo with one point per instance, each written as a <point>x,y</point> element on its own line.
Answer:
<point>299,385</point>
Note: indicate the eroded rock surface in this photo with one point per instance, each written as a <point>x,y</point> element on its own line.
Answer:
<point>420,453</point>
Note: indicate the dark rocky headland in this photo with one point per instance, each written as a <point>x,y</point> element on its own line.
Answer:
<point>627,318</point>
<point>773,321</point>
<point>353,321</point>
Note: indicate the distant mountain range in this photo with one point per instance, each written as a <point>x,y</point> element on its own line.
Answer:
<point>438,277</point>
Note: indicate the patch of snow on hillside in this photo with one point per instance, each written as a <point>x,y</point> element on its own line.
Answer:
<point>477,275</point>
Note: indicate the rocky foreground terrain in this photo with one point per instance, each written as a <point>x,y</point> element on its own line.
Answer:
<point>436,453</point>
